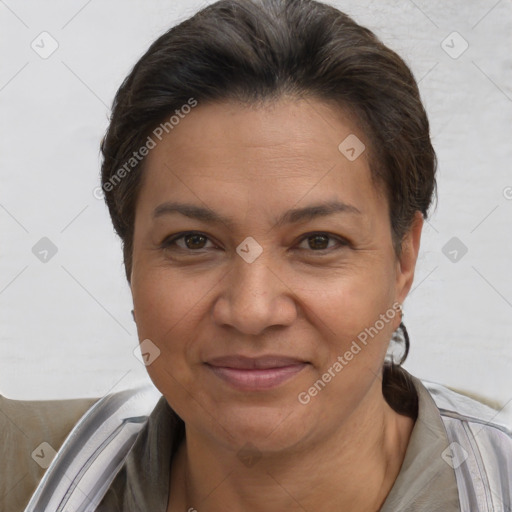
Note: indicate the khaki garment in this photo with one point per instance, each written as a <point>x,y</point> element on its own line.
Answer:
<point>24,425</point>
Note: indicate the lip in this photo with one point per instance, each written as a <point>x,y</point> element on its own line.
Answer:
<point>252,374</point>
<point>254,363</point>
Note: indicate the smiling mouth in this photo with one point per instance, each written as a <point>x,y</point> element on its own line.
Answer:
<point>252,374</point>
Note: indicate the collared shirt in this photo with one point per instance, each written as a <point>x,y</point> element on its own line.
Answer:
<point>426,481</point>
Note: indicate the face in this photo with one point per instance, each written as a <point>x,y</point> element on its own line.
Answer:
<point>267,296</point>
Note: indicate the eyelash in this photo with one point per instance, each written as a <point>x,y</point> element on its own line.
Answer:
<point>169,242</point>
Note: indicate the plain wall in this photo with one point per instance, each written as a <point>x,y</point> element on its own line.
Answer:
<point>66,327</point>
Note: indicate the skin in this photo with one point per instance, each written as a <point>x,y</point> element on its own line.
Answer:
<point>343,450</point>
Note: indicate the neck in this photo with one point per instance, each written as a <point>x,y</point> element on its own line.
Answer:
<point>352,469</point>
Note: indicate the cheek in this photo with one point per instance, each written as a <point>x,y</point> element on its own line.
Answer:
<point>167,317</point>
<point>356,317</point>
<point>357,324</point>
<point>163,319</point>
<point>355,298</point>
<point>165,300</point>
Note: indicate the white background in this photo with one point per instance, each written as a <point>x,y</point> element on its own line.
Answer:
<point>66,327</point>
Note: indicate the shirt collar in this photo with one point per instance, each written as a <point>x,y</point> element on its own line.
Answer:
<point>425,481</point>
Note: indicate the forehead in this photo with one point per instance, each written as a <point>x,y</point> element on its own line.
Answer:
<point>269,156</point>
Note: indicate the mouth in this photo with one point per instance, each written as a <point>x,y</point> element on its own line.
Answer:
<point>252,374</point>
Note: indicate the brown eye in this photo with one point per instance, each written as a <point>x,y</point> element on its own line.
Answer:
<point>192,241</point>
<point>317,242</point>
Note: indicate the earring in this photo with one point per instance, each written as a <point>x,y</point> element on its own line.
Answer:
<point>396,337</point>
<point>133,315</point>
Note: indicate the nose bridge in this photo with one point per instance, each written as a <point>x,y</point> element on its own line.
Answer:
<point>255,297</point>
<point>254,278</point>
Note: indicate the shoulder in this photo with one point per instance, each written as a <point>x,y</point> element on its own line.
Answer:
<point>32,431</point>
<point>95,449</point>
<point>480,449</point>
<point>462,407</point>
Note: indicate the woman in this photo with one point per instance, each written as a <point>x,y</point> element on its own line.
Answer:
<point>268,167</point>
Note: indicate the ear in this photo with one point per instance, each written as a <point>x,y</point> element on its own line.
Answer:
<point>406,263</point>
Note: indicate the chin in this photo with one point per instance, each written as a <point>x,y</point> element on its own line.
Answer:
<point>268,428</point>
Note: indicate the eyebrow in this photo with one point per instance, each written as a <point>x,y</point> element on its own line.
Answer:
<point>292,216</point>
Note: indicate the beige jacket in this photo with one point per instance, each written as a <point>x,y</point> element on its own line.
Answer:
<point>25,426</point>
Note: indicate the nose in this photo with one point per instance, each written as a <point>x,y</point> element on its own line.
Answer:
<point>254,297</point>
